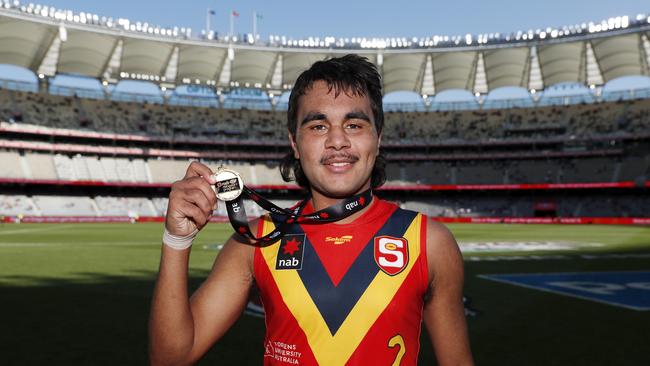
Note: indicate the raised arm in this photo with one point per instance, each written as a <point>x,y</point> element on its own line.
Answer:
<point>181,329</point>
<point>444,314</point>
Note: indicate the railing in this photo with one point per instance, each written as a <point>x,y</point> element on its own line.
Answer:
<point>238,102</point>
<point>18,85</point>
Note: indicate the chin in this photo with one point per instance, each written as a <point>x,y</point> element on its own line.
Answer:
<point>340,189</point>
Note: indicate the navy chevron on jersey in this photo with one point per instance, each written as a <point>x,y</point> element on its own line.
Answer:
<point>345,294</point>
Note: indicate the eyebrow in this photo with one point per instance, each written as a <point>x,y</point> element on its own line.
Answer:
<point>357,115</point>
<point>313,116</point>
<point>318,116</point>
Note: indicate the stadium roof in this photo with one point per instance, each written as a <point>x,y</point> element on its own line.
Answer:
<point>50,46</point>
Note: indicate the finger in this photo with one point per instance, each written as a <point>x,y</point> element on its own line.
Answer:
<point>197,169</point>
<point>200,184</point>
<point>197,197</point>
<point>194,213</point>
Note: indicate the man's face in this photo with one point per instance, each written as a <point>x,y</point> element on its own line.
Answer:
<point>336,141</point>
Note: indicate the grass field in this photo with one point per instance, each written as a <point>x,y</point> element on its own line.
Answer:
<point>78,294</point>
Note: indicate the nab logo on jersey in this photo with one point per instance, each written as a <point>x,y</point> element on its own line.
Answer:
<point>291,252</point>
<point>391,254</point>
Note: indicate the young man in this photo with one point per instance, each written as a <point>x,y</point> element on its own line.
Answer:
<point>350,292</point>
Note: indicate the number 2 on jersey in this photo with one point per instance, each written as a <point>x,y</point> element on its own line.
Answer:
<point>397,340</point>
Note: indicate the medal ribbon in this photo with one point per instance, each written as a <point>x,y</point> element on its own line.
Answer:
<point>336,212</point>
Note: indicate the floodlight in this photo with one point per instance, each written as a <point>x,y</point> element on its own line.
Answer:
<point>625,22</point>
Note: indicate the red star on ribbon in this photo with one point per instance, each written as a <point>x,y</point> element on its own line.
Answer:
<point>291,246</point>
<point>242,230</point>
<point>362,201</point>
<point>324,215</point>
<point>255,197</point>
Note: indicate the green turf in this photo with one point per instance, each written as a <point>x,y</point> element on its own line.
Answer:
<point>75,294</point>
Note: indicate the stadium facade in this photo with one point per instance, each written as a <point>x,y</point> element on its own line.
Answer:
<point>78,154</point>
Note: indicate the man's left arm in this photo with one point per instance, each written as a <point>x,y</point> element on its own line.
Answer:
<point>444,313</point>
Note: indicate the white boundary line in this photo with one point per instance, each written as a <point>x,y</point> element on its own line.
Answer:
<point>32,230</point>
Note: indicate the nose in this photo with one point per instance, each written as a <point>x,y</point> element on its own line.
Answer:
<point>337,139</point>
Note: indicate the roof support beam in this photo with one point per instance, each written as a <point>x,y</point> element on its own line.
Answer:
<point>113,63</point>
<point>224,71</point>
<point>644,51</point>
<point>479,76</point>
<point>593,72</point>
<point>170,72</point>
<point>419,81</point>
<point>47,57</point>
<point>428,82</point>
<point>535,77</point>
<point>275,79</point>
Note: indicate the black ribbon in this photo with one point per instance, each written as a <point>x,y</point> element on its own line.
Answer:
<point>336,212</point>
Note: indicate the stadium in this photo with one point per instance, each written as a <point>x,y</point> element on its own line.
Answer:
<point>521,143</point>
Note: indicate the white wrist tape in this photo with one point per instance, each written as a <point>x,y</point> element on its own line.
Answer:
<point>179,242</point>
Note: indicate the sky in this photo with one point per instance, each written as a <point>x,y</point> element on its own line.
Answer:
<point>364,18</point>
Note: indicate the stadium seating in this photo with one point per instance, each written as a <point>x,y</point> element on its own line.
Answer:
<point>633,168</point>
<point>243,124</point>
<point>11,167</point>
<point>449,133</point>
<point>494,205</point>
<point>167,171</point>
<point>516,171</point>
<point>41,166</point>
<point>476,206</point>
<point>15,205</point>
<point>65,205</point>
<point>64,167</point>
<point>125,206</point>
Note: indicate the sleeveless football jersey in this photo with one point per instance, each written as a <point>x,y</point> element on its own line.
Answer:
<point>345,294</point>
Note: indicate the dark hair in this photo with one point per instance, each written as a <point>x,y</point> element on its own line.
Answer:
<point>351,74</point>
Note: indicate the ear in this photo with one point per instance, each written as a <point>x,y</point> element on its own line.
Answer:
<point>294,146</point>
<point>378,144</point>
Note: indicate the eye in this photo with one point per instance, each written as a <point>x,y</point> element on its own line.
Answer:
<point>318,127</point>
<point>356,124</point>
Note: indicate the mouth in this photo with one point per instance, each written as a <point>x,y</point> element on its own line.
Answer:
<point>339,163</point>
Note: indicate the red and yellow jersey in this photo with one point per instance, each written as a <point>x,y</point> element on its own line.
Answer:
<point>345,294</point>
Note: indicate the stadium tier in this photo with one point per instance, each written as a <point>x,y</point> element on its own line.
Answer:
<point>170,121</point>
<point>481,159</point>
<point>24,166</point>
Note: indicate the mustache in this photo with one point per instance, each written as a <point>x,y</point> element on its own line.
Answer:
<point>338,157</point>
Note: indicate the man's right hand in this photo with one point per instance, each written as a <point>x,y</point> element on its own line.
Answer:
<point>191,201</point>
<point>181,330</point>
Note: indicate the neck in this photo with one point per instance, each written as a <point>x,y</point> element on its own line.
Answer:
<point>321,201</point>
